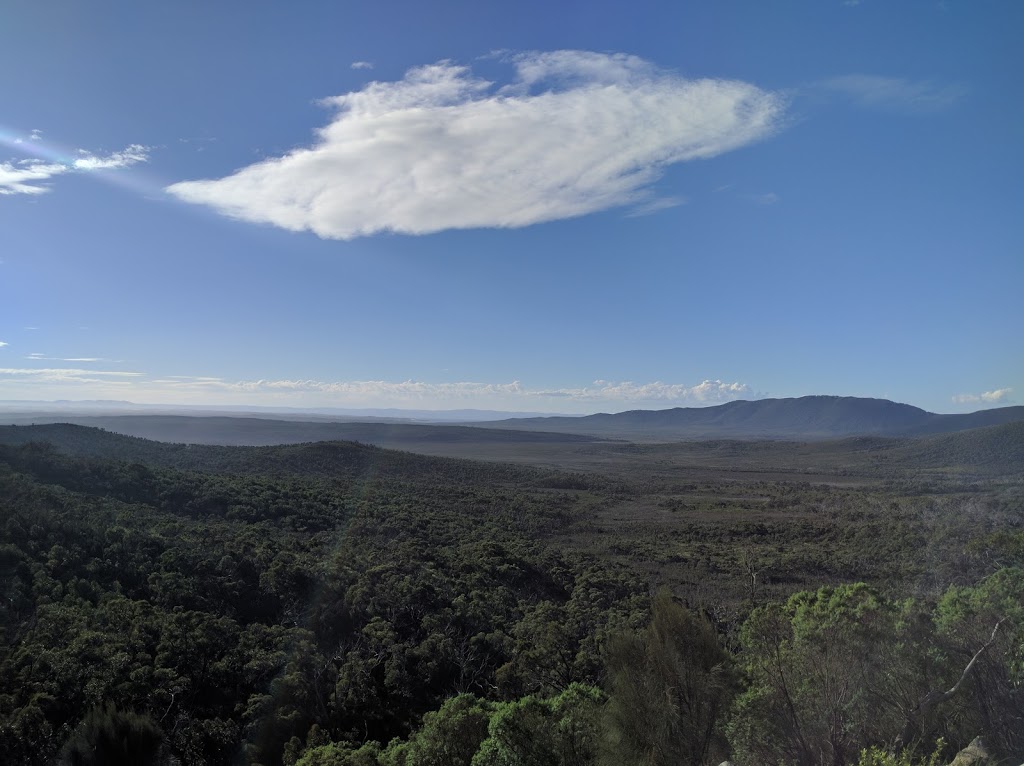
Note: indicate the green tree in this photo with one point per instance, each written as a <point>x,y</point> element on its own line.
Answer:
<point>829,673</point>
<point>560,731</point>
<point>111,737</point>
<point>669,689</point>
<point>448,737</point>
<point>982,632</point>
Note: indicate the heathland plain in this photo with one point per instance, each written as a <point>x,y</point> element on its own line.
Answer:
<point>823,580</point>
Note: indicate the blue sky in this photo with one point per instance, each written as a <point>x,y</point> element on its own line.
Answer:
<point>566,207</point>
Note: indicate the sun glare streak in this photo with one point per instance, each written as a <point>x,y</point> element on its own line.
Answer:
<point>44,160</point>
<point>34,145</point>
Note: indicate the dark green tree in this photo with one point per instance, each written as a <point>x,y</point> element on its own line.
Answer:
<point>111,737</point>
<point>669,688</point>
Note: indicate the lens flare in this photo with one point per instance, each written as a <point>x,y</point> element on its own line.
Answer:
<point>44,160</point>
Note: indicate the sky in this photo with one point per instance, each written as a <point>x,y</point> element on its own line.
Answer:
<point>548,207</point>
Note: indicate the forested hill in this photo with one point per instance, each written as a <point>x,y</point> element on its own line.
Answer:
<point>808,417</point>
<point>996,449</point>
<point>330,460</point>
<point>216,619</point>
<point>989,450</point>
<point>250,431</point>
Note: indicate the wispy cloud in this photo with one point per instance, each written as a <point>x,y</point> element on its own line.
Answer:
<point>41,357</point>
<point>895,93</point>
<point>572,133</point>
<point>4,343</point>
<point>361,65</point>
<point>770,198</point>
<point>62,375</point>
<point>996,396</point>
<point>129,156</point>
<point>656,206</point>
<point>408,391</point>
<point>678,393</point>
<point>25,177</point>
<point>72,382</point>
<point>30,176</point>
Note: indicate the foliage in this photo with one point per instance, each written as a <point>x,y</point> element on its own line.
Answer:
<point>558,731</point>
<point>990,614</point>
<point>878,756</point>
<point>669,690</point>
<point>249,609</point>
<point>449,736</point>
<point>111,737</point>
<point>829,674</point>
<point>307,604</point>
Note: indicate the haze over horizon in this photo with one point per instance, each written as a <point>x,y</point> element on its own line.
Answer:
<point>518,208</point>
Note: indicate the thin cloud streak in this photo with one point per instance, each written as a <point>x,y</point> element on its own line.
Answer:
<point>895,93</point>
<point>572,133</point>
<point>42,358</point>
<point>65,375</point>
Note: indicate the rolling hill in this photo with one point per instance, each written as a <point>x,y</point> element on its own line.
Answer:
<point>250,431</point>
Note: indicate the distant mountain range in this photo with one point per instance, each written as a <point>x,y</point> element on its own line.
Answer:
<point>803,419</point>
<point>807,417</point>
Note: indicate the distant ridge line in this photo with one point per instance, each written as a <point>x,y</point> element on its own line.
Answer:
<point>806,417</point>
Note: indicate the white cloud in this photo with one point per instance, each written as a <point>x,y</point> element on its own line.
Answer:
<point>128,156</point>
<point>37,356</point>
<point>986,397</point>
<point>706,391</point>
<point>364,391</point>
<point>895,93</point>
<point>4,343</point>
<point>62,375</point>
<point>361,65</point>
<point>36,135</point>
<point>25,176</point>
<point>572,133</point>
<point>77,383</point>
<point>29,176</point>
<point>770,198</point>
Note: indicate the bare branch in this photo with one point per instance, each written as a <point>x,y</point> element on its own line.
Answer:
<point>935,697</point>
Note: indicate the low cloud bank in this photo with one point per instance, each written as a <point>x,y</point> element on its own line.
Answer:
<point>73,383</point>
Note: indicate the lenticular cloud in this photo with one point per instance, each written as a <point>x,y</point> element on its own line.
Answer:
<point>572,133</point>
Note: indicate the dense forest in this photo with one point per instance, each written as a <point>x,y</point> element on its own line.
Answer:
<point>338,604</point>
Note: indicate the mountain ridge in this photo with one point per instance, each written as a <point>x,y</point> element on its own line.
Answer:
<point>807,417</point>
